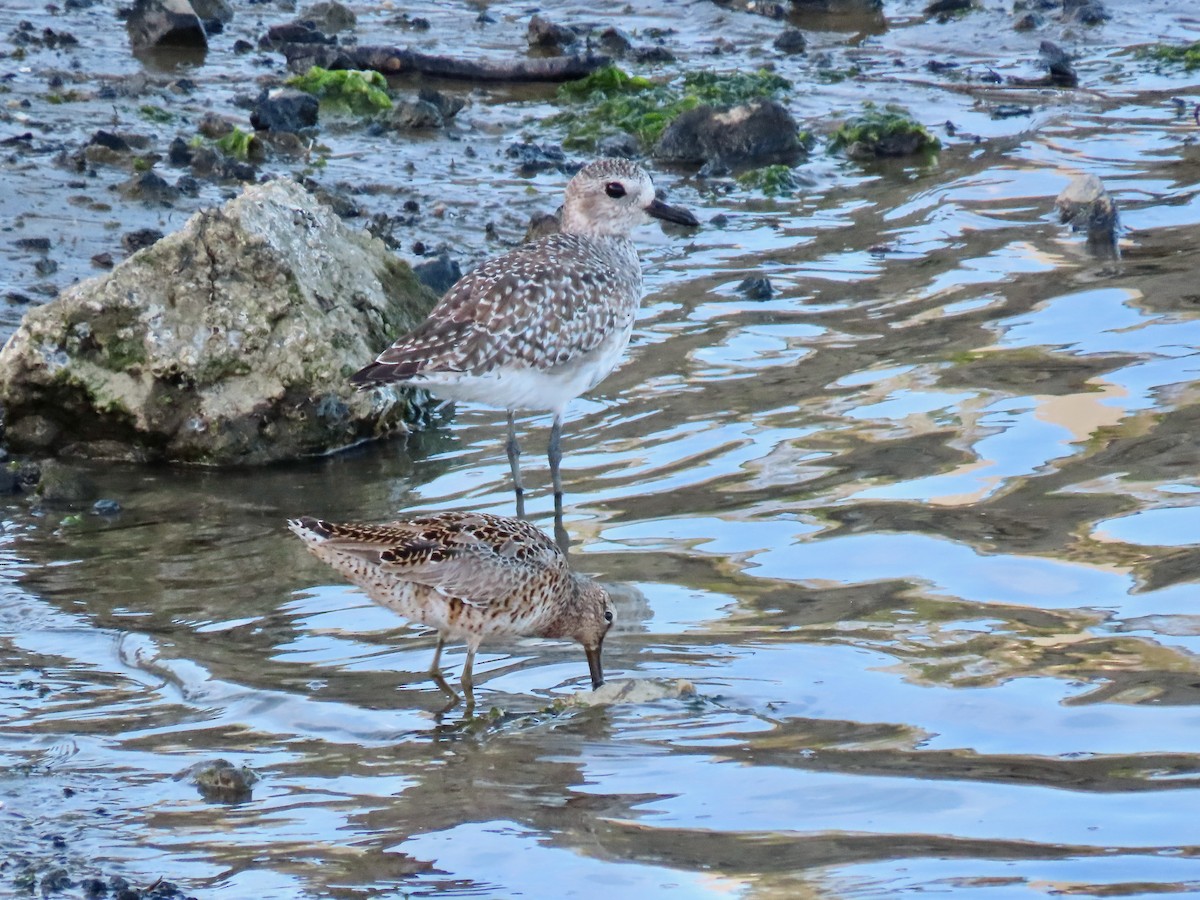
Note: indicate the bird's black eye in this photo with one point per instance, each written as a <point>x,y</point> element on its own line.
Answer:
<point>608,615</point>
<point>615,189</point>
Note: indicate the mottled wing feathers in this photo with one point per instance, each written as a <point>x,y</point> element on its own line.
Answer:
<point>475,557</point>
<point>539,306</point>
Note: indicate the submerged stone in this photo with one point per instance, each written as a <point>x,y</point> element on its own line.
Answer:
<point>228,342</point>
<point>757,133</point>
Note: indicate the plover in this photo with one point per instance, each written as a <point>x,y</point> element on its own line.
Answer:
<point>471,576</point>
<point>541,324</point>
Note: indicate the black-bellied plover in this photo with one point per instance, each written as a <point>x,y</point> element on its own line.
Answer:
<point>469,575</point>
<point>538,326</point>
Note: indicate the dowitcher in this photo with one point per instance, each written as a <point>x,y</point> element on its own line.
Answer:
<point>470,576</point>
<point>540,325</point>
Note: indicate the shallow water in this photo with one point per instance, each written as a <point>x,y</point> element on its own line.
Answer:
<point>920,530</point>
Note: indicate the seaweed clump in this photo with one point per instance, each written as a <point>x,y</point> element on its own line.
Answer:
<point>1187,55</point>
<point>773,181</point>
<point>882,131</point>
<point>353,91</point>
<point>610,100</point>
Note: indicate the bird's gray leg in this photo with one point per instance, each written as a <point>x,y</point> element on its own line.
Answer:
<point>555,456</point>
<point>439,679</point>
<point>468,679</point>
<point>435,667</point>
<point>514,462</point>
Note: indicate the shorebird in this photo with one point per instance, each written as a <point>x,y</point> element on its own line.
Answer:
<point>540,325</point>
<point>471,576</point>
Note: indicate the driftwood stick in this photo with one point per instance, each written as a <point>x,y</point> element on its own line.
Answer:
<point>397,61</point>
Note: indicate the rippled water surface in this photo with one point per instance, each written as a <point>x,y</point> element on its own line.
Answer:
<point>920,529</point>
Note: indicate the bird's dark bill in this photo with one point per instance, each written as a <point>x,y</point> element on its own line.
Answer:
<point>676,214</point>
<point>593,658</point>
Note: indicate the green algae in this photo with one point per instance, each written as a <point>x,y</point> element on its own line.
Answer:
<point>773,181</point>
<point>1186,55</point>
<point>242,145</point>
<point>882,131</point>
<point>350,91</point>
<point>610,100</point>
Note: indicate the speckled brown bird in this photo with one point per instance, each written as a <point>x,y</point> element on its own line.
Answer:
<point>469,575</point>
<point>538,326</point>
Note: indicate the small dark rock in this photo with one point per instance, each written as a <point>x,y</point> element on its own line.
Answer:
<point>149,187</point>
<point>614,42</point>
<point>414,114</point>
<point>1085,204</point>
<point>791,41</point>
<point>134,241</point>
<point>546,35</point>
<point>438,274</point>
<point>179,153</point>
<point>756,288</point>
<point>1028,22</point>
<point>447,105</point>
<point>188,186</point>
<point>63,485</point>
<point>1062,73</point>
<point>220,782</point>
<point>284,109</point>
<point>622,144</point>
<point>33,244</point>
<point>205,161</point>
<point>755,134</point>
<point>329,17</point>
<point>164,23</point>
<point>55,880</point>
<point>10,481</point>
<point>93,888</point>
<point>45,267</point>
<point>940,66</point>
<point>109,141</point>
<point>241,45</point>
<point>106,507</point>
<point>16,298</point>
<point>103,260</point>
<point>947,7</point>
<point>1010,110</point>
<point>653,54</point>
<point>213,10</point>
<point>534,158</point>
<point>215,127</point>
<point>1085,12</point>
<point>294,33</point>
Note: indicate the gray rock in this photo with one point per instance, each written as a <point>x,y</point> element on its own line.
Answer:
<point>622,144</point>
<point>285,109</point>
<point>546,35</point>
<point>756,288</point>
<point>614,42</point>
<point>228,342</point>
<point>409,114</point>
<point>149,187</point>
<point>329,17</point>
<point>1085,12</point>
<point>438,274</point>
<point>791,41</point>
<point>64,485</point>
<point>213,10</point>
<point>164,23</point>
<point>447,105</point>
<point>755,134</point>
<point>1086,205</point>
